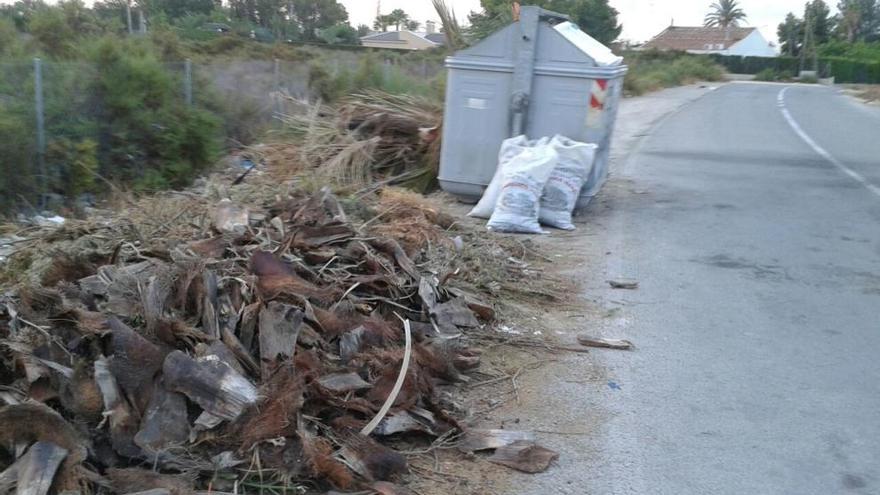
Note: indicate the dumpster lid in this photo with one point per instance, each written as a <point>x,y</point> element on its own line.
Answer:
<point>601,54</point>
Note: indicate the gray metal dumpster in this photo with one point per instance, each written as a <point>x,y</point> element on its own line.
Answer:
<point>539,76</point>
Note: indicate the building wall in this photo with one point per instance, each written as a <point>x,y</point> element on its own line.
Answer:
<point>753,45</point>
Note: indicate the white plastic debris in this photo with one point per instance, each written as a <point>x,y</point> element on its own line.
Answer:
<point>231,218</point>
<point>54,221</point>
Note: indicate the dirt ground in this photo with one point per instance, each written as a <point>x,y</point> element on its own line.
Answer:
<point>514,400</point>
<point>868,93</point>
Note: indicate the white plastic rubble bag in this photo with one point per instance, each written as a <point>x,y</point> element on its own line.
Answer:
<point>573,166</point>
<point>523,181</point>
<point>510,149</point>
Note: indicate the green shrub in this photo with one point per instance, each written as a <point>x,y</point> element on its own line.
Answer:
<point>17,149</point>
<point>369,73</point>
<point>767,74</point>
<point>845,70</point>
<point>149,136</point>
<point>773,75</point>
<point>753,65</point>
<point>861,51</point>
<point>808,79</point>
<point>50,29</point>
<point>326,86</point>
<point>8,37</point>
<point>653,70</point>
<point>76,165</point>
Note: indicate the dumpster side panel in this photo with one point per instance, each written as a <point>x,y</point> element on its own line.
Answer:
<point>599,173</point>
<point>476,122</point>
<point>559,106</point>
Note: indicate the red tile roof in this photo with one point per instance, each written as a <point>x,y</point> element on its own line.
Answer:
<point>698,38</point>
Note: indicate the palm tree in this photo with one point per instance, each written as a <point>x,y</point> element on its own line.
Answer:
<point>724,13</point>
<point>398,18</point>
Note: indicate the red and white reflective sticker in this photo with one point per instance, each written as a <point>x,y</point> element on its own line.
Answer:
<point>597,103</point>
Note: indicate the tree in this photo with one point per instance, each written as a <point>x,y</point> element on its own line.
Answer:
<point>596,17</point>
<point>821,21</point>
<point>381,23</point>
<point>859,20</point>
<point>398,18</point>
<point>340,34</point>
<point>49,27</point>
<point>363,30</point>
<point>413,25</point>
<point>8,36</point>
<point>21,12</point>
<point>264,13</point>
<point>243,9</point>
<point>789,33</point>
<point>179,8</point>
<point>724,13</point>
<point>314,15</point>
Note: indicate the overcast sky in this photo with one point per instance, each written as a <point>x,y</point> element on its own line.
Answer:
<point>641,19</point>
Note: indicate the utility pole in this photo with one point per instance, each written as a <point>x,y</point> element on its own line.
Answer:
<point>809,44</point>
<point>41,130</point>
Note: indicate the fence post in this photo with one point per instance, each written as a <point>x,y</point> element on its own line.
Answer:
<point>277,86</point>
<point>41,128</point>
<point>128,17</point>
<point>188,82</point>
<point>386,71</point>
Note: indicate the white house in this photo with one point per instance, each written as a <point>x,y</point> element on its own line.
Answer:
<point>742,41</point>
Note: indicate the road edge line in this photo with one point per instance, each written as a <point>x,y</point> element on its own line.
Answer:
<point>780,102</point>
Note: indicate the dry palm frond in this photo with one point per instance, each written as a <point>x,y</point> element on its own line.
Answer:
<point>371,139</point>
<point>353,163</point>
<point>454,35</point>
<point>424,112</point>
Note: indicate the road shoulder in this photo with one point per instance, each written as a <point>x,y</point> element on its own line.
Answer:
<point>561,395</point>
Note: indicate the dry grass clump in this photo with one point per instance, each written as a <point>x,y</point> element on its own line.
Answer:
<point>870,93</point>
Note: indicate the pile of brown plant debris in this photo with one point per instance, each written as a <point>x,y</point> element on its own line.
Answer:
<point>192,344</point>
<point>368,139</point>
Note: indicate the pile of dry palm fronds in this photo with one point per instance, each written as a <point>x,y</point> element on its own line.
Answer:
<point>267,342</point>
<point>368,139</point>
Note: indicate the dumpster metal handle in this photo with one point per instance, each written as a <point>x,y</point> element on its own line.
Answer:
<point>524,70</point>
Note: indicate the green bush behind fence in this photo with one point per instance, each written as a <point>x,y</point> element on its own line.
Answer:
<point>844,70</point>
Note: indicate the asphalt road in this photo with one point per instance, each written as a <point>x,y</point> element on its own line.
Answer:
<point>752,223</point>
<point>755,233</point>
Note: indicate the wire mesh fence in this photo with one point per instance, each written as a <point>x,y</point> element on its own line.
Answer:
<point>57,119</point>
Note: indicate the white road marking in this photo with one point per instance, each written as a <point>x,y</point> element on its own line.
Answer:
<point>780,102</point>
